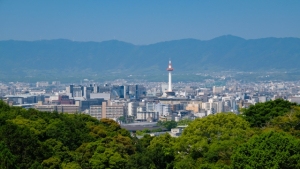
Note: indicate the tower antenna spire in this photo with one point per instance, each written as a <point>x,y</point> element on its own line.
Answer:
<point>170,69</point>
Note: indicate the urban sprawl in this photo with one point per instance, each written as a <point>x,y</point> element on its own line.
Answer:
<point>140,106</point>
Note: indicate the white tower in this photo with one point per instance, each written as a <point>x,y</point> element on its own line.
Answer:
<point>170,69</point>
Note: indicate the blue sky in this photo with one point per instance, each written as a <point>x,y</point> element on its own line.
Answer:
<point>147,22</point>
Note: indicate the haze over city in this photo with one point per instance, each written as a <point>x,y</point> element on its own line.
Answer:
<point>149,84</point>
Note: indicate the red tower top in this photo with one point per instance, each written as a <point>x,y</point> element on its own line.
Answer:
<point>170,66</point>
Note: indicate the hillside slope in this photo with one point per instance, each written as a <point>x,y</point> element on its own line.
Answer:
<point>188,55</point>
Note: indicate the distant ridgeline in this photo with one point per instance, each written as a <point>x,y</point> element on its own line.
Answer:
<point>264,136</point>
<point>65,57</point>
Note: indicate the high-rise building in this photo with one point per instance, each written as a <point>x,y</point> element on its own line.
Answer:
<point>87,91</point>
<point>77,91</point>
<point>220,107</point>
<point>132,108</point>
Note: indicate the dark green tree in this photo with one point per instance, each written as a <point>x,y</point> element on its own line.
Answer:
<point>268,150</point>
<point>7,159</point>
<point>260,113</point>
<point>122,119</point>
<point>159,154</point>
<point>170,124</point>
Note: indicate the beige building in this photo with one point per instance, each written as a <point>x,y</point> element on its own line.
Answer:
<point>59,108</point>
<point>107,111</point>
<point>217,89</point>
<point>193,107</point>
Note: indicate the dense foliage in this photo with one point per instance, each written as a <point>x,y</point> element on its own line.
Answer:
<point>37,140</point>
<point>173,124</point>
<point>148,131</point>
<point>167,124</point>
<point>30,138</point>
<point>268,150</point>
<point>260,113</point>
<point>184,122</point>
<point>211,140</point>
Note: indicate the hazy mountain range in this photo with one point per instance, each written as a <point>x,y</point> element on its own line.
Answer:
<point>35,58</point>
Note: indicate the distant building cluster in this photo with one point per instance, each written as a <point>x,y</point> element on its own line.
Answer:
<point>146,101</point>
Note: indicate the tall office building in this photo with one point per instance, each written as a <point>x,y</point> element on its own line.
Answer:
<point>77,91</point>
<point>220,107</point>
<point>87,91</point>
<point>132,108</point>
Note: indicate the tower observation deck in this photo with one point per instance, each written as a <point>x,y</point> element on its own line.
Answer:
<point>170,92</point>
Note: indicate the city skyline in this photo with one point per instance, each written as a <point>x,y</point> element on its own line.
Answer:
<point>86,85</point>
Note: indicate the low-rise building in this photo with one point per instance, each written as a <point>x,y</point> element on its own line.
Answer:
<point>143,116</point>
<point>107,111</point>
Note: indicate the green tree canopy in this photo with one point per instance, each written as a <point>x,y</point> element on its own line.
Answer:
<point>34,139</point>
<point>260,113</point>
<point>159,154</point>
<point>122,119</point>
<point>211,140</point>
<point>289,123</point>
<point>167,124</point>
<point>7,159</point>
<point>268,150</point>
<point>184,122</point>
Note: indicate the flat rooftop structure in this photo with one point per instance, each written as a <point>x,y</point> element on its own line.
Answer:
<point>140,124</point>
<point>173,99</point>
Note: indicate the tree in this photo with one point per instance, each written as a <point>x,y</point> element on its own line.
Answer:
<point>22,142</point>
<point>51,163</point>
<point>4,106</point>
<point>159,154</point>
<point>7,159</point>
<point>160,123</point>
<point>184,122</point>
<point>170,124</point>
<point>122,119</point>
<point>289,122</point>
<point>157,130</point>
<point>71,165</point>
<point>146,131</point>
<point>211,139</point>
<point>139,133</point>
<point>143,143</point>
<point>260,113</point>
<point>161,151</point>
<point>107,158</point>
<point>268,150</point>
<point>34,139</point>
<point>36,165</point>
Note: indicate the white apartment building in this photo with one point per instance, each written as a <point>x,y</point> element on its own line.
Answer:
<point>132,108</point>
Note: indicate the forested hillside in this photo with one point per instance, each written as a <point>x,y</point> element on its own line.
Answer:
<point>36,140</point>
<point>59,57</point>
